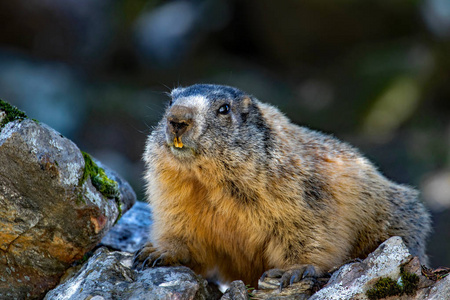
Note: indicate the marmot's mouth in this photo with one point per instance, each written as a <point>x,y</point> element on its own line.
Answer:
<point>182,152</point>
<point>177,142</point>
<point>180,146</point>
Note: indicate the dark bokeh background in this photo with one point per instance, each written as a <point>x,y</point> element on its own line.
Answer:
<point>375,73</point>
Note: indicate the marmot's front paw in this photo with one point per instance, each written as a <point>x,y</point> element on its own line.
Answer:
<point>292,275</point>
<point>149,257</point>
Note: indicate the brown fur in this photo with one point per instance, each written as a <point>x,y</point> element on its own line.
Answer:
<point>312,200</point>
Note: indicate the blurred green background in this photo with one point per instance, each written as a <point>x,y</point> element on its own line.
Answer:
<point>375,73</point>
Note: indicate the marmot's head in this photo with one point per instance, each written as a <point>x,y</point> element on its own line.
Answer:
<point>213,121</point>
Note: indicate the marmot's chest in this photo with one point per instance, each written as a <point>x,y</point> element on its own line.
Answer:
<point>222,238</point>
<point>216,221</point>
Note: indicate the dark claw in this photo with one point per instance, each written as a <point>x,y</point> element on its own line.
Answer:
<point>284,281</point>
<point>144,264</point>
<point>135,258</point>
<point>138,253</point>
<point>140,259</point>
<point>272,273</point>
<point>309,272</point>
<point>296,276</point>
<point>135,263</point>
<point>263,276</point>
<point>290,276</point>
<point>157,262</point>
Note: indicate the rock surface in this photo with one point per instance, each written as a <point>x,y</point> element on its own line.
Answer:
<point>236,291</point>
<point>131,231</point>
<point>353,280</point>
<point>269,289</point>
<point>108,275</point>
<point>49,216</point>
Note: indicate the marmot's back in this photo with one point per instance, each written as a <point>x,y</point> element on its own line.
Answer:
<point>237,189</point>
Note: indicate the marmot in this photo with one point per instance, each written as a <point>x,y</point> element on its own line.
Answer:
<point>236,189</point>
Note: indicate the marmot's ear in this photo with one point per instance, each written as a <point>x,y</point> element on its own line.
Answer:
<point>246,103</point>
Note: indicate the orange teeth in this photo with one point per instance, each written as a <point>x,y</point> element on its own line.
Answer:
<point>177,142</point>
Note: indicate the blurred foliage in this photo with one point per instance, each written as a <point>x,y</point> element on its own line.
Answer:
<point>374,73</point>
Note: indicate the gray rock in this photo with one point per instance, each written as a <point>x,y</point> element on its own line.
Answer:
<point>132,230</point>
<point>49,216</point>
<point>439,291</point>
<point>352,280</point>
<point>236,291</point>
<point>270,290</point>
<point>109,275</point>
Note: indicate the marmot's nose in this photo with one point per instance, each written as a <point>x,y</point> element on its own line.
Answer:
<point>180,119</point>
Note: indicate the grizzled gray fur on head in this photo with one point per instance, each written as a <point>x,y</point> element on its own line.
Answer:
<point>214,121</point>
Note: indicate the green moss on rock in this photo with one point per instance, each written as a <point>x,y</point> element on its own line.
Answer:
<point>12,113</point>
<point>119,207</point>
<point>410,282</point>
<point>106,186</point>
<point>80,198</point>
<point>383,288</point>
<point>386,287</point>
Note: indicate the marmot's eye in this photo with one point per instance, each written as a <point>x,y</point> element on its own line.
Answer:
<point>170,102</point>
<point>224,109</point>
